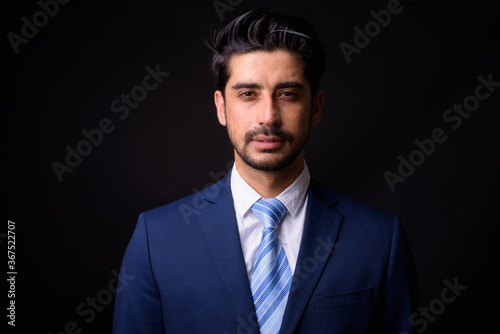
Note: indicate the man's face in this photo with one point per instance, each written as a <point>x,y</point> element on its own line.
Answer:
<point>268,108</point>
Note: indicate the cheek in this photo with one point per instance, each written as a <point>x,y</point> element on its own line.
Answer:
<point>236,123</point>
<point>299,119</point>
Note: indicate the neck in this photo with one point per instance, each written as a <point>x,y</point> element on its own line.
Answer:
<point>269,184</point>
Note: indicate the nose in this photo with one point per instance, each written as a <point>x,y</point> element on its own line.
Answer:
<point>267,112</point>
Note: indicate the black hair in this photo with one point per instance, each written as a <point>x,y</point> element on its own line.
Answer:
<point>265,30</point>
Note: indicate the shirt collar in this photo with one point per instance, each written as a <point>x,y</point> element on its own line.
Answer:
<point>292,197</point>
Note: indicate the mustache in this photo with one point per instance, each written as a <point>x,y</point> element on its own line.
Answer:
<point>273,131</point>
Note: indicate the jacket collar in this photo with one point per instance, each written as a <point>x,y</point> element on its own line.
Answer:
<point>218,221</point>
<point>321,229</point>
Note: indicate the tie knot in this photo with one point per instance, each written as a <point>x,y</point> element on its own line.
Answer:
<point>270,211</point>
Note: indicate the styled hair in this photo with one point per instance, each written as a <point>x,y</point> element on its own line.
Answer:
<point>265,30</point>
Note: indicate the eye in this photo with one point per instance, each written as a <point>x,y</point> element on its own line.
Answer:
<point>247,94</point>
<point>288,95</point>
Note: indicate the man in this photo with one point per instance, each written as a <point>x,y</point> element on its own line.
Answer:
<point>268,249</point>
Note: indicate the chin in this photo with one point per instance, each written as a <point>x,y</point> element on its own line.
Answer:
<point>269,164</point>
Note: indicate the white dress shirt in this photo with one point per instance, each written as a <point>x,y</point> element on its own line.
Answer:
<point>250,227</point>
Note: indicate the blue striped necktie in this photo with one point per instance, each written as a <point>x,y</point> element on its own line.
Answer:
<point>271,275</point>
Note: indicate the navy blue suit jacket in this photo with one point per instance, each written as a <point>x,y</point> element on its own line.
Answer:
<point>186,273</point>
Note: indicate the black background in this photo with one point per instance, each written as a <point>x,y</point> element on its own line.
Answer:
<point>71,235</point>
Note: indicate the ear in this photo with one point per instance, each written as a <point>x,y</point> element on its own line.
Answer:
<point>219,103</point>
<point>316,107</point>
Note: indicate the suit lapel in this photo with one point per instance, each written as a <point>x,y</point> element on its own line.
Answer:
<point>218,221</point>
<point>320,233</point>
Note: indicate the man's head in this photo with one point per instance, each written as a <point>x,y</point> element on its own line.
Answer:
<point>267,67</point>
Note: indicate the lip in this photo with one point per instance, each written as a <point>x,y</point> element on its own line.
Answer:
<point>267,142</point>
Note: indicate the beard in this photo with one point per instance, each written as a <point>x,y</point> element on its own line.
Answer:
<point>270,159</point>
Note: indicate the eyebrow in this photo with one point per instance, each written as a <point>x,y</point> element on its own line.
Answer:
<point>239,85</point>
<point>286,84</point>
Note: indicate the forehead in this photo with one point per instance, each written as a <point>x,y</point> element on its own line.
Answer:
<point>266,67</point>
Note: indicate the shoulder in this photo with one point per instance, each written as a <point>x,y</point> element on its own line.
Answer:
<point>183,210</point>
<point>352,210</point>
<point>363,226</point>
